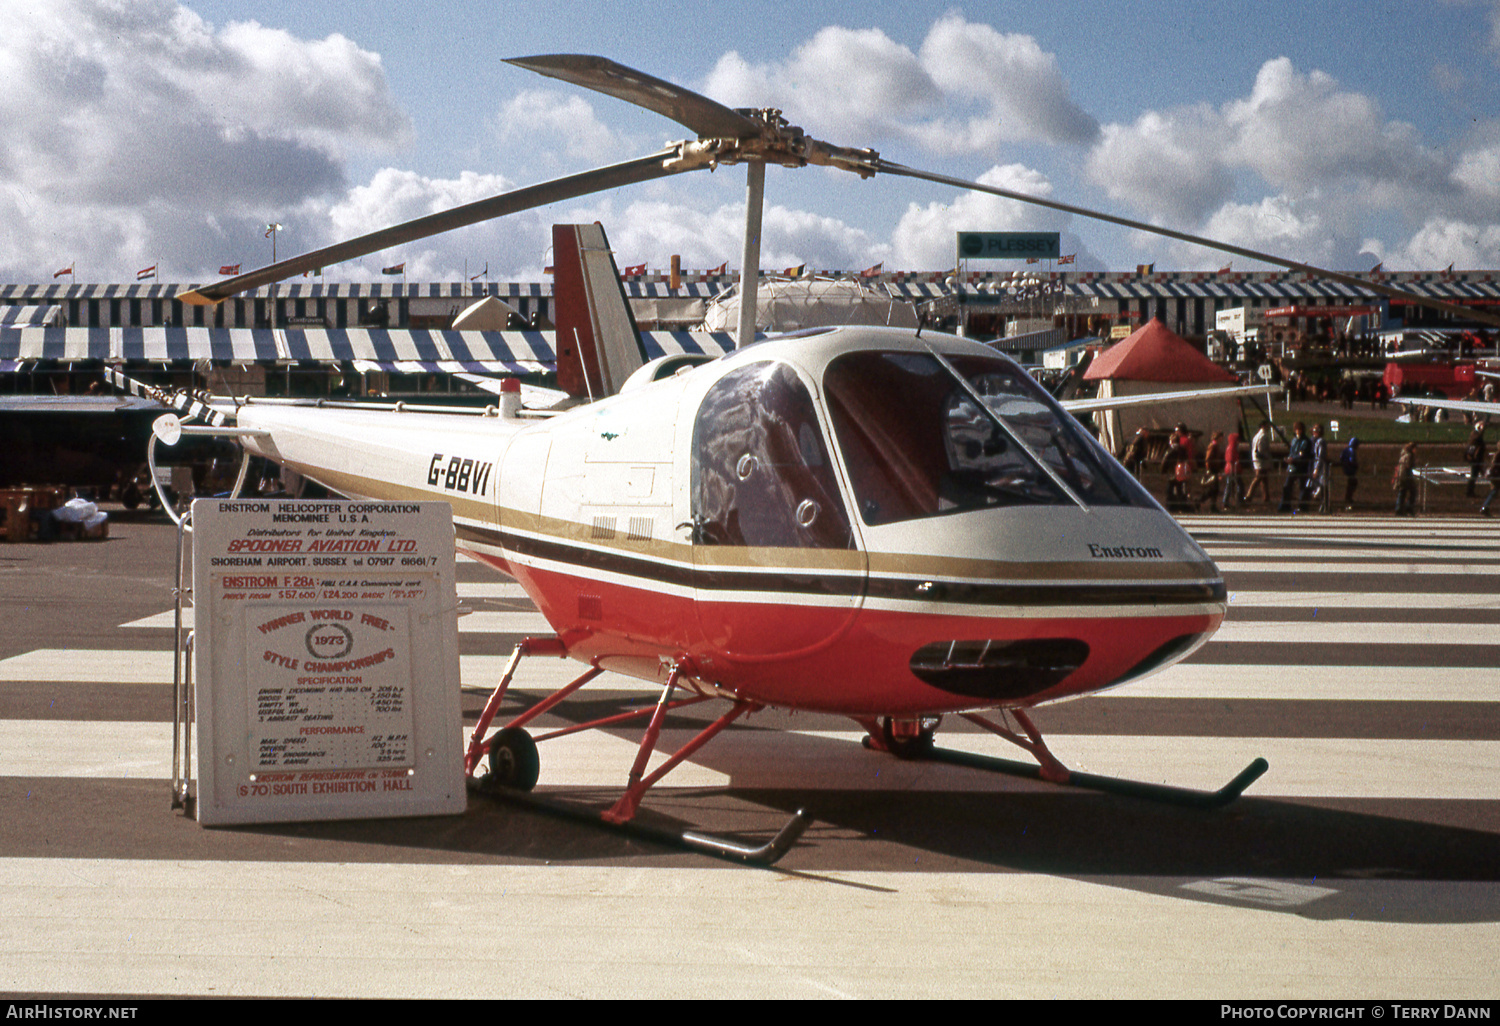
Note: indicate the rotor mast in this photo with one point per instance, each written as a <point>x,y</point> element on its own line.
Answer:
<point>764,138</point>
<point>755,195</point>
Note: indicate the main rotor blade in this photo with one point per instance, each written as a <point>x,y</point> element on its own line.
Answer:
<point>642,169</point>
<point>1380,288</point>
<point>710,119</point>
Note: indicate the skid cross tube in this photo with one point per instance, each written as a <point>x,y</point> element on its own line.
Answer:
<point>624,717</point>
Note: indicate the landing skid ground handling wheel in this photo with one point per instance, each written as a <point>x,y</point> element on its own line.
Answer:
<point>514,762</point>
<point>913,739</point>
<point>515,766</point>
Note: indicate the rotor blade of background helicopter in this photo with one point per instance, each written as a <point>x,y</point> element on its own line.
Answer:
<point>1380,288</point>
<point>642,169</point>
<point>710,119</point>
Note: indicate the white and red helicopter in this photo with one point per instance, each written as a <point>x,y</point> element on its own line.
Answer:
<point>888,524</point>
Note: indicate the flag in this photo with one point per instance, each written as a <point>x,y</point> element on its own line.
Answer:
<point>1069,259</point>
<point>144,273</point>
<point>482,273</point>
<point>795,272</point>
<point>398,269</point>
<point>1226,269</point>
<point>1449,272</point>
<point>549,270</point>
<point>230,269</point>
<point>1033,260</point>
<point>872,272</point>
<point>316,272</point>
<point>1144,268</point>
<point>65,270</point>
<point>720,269</point>
<point>1378,268</point>
<point>635,269</point>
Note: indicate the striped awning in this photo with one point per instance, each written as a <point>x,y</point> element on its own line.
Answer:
<point>483,352</point>
<point>30,316</point>
<point>1459,286</point>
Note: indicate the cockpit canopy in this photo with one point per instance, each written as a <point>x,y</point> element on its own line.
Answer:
<point>921,434</point>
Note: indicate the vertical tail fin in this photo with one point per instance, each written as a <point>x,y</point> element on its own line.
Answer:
<point>598,342</point>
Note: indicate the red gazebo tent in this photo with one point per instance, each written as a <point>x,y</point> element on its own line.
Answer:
<point>1155,359</point>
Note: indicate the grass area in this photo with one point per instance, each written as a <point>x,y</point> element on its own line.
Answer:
<point>1376,429</point>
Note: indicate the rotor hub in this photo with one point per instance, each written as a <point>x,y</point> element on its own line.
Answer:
<point>779,142</point>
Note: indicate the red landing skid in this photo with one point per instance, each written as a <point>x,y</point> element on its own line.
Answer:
<point>514,764</point>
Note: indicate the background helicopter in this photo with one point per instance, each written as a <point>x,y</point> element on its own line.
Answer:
<point>882,524</point>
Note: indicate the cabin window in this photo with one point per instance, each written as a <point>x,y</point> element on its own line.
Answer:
<point>917,444</point>
<point>761,472</point>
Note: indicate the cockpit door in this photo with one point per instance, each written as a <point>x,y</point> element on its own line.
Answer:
<point>778,567</point>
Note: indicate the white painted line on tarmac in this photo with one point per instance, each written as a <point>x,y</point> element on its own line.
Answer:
<point>1402,600</point>
<point>1315,555</point>
<point>1351,683</point>
<point>491,589</point>
<point>1374,566</point>
<point>485,621</point>
<point>1379,523</point>
<point>122,666</point>
<point>67,665</point>
<point>143,751</point>
<point>835,760</point>
<point>1300,767</point>
<point>1303,632</point>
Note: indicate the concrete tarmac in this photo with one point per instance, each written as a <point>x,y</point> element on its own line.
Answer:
<point>1360,660</point>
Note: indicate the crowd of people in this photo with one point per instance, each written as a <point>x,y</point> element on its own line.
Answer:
<point>1308,472</point>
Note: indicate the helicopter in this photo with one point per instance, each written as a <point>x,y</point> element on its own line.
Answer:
<point>892,525</point>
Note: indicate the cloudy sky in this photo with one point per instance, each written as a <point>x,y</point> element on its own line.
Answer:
<point>141,132</point>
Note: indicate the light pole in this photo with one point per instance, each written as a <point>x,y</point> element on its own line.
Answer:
<point>272,230</point>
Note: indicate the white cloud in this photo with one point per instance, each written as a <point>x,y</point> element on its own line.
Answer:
<point>1297,131</point>
<point>1167,164</point>
<point>543,121</point>
<point>394,196</point>
<point>651,231</point>
<point>1020,86</point>
<point>968,91</point>
<point>1478,172</point>
<point>1275,224</point>
<point>1442,241</point>
<point>138,132</point>
<point>1334,176</point>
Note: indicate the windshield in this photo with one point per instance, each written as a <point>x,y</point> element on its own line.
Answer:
<point>917,442</point>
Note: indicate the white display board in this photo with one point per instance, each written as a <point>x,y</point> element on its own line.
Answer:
<point>327,681</point>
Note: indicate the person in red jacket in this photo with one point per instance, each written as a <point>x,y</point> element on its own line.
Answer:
<point>1213,472</point>
<point>1234,492</point>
